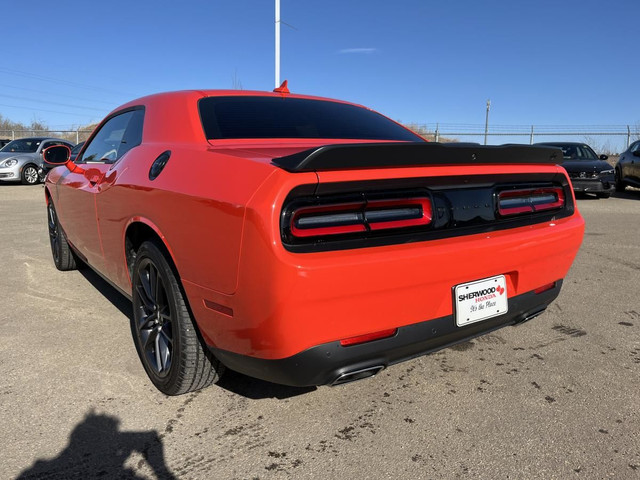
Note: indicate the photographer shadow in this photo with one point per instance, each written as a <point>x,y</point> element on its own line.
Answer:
<point>98,448</point>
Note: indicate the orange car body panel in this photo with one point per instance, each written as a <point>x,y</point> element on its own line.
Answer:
<point>217,207</point>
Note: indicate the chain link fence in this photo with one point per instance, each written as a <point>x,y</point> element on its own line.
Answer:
<point>603,138</point>
<point>75,136</point>
<point>609,138</point>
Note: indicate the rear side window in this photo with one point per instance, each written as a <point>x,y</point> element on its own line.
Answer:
<point>116,137</point>
<point>274,117</point>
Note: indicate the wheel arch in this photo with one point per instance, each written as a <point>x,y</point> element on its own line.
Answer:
<point>138,231</point>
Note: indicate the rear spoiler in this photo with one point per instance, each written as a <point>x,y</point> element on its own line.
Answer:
<point>409,154</point>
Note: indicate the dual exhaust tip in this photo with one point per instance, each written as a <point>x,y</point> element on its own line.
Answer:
<point>359,374</point>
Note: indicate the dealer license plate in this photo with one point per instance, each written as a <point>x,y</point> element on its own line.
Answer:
<point>480,300</point>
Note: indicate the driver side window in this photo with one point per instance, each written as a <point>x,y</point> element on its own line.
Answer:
<point>107,143</point>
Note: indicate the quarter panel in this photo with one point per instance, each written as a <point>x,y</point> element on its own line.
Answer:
<point>197,203</point>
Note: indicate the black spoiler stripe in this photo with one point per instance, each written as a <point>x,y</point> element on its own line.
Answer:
<point>407,154</point>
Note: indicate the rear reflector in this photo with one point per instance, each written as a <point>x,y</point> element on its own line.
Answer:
<point>514,202</point>
<point>544,288</point>
<point>368,337</point>
<point>360,217</point>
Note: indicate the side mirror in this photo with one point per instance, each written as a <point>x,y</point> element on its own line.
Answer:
<point>56,155</point>
<point>604,157</point>
<point>60,155</point>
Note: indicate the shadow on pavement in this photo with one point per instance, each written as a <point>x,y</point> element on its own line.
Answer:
<point>97,448</point>
<point>117,299</point>
<point>256,389</point>
<point>628,194</point>
<point>231,381</point>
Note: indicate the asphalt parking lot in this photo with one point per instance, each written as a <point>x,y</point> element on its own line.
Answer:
<point>558,397</point>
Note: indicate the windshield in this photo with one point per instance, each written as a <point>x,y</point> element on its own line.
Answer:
<point>24,145</point>
<point>77,148</point>
<point>274,117</point>
<point>575,152</point>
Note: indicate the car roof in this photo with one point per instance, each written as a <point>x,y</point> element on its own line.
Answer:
<point>42,139</point>
<point>562,143</point>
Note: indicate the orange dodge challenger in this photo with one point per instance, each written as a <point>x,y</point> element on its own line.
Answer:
<point>303,240</point>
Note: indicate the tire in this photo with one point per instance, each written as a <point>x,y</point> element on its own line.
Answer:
<point>63,257</point>
<point>603,195</point>
<point>29,175</point>
<point>620,186</point>
<point>164,332</point>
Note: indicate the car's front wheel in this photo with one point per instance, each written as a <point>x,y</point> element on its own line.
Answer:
<point>620,186</point>
<point>63,256</point>
<point>30,175</point>
<point>165,334</point>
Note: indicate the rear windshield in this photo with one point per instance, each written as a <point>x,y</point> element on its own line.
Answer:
<point>273,117</point>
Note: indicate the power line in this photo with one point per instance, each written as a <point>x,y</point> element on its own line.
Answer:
<point>13,97</point>
<point>62,82</point>
<point>48,111</point>
<point>56,94</point>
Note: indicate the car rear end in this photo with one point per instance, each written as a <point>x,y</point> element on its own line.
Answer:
<point>402,250</point>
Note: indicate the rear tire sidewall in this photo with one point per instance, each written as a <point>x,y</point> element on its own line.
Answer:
<point>165,383</point>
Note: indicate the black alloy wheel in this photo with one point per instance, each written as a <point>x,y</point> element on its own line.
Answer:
<point>154,318</point>
<point>63,257</point>
<point>30,175</point>
<point>166,337</point>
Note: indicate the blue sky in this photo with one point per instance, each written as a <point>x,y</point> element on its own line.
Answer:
<point>561,62</point>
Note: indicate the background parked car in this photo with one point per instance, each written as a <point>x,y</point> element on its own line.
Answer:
<point>20,159</point>
<point>588,172</point>
<point>628,168</point>
<point>45,168</point>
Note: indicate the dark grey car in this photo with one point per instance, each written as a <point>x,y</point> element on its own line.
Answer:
<point>588,172</point>
<point>628,168</point>
<point>21,159</point>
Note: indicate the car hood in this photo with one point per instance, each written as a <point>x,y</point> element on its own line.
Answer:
<point>5,155</point>
<point>586,165</point>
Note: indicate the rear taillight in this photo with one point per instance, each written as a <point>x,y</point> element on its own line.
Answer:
<point>514,202</point>
<point>365,216</point>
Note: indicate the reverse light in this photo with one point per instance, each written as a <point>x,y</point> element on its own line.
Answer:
<point>361,216</point>
<point>514,202</point>
<point>368,337</point>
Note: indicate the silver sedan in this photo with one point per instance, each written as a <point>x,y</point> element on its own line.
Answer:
<point>20,159</point>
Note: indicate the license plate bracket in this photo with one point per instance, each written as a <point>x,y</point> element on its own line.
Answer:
<point>480,300</point>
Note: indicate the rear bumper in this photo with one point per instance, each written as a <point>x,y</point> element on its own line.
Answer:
<point>324,364</point>
<point>285,302</point>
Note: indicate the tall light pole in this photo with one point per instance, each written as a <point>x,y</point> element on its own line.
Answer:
<point>277,43</point>
<point>486,122</point>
